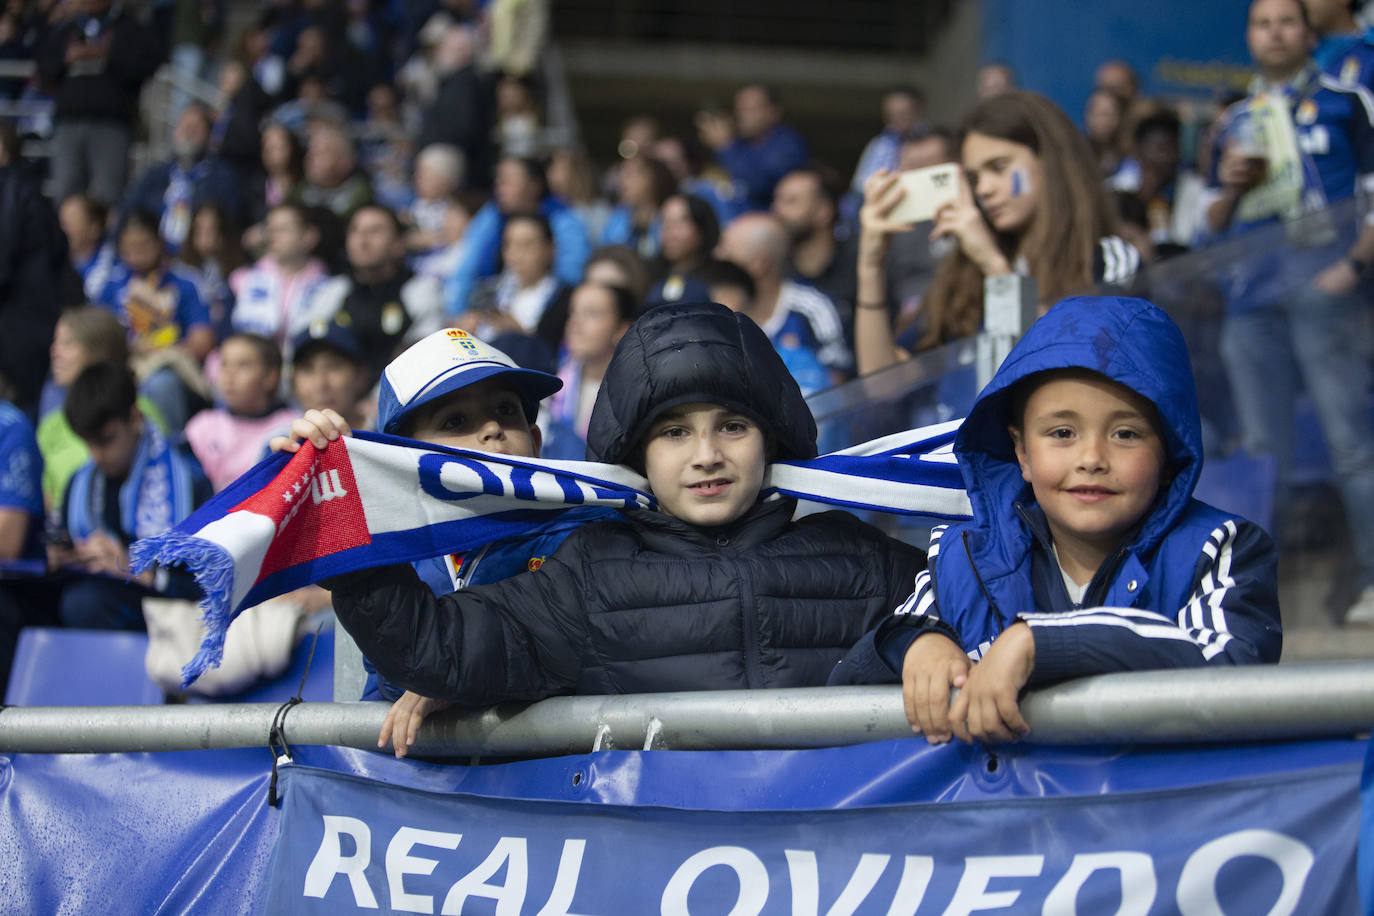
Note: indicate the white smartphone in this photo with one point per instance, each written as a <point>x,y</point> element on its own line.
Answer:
<point>927,190</point>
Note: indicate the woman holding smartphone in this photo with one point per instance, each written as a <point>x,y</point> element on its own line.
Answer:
<point>1030,201</point>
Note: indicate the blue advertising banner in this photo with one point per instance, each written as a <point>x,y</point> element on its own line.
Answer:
<point>1259,828</point>
<point>1279,844</point>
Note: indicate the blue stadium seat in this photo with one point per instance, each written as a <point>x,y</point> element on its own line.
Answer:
<point>1240,484</point>
<point>58,667</point>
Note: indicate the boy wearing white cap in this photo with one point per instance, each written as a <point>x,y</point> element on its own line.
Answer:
<point>454,390</point>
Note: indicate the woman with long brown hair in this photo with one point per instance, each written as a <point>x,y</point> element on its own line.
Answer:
<point>1031,201</point>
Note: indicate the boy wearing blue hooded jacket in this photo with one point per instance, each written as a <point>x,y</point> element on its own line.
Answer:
<point>1087,552</point>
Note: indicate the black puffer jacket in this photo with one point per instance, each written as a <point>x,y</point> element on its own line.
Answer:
<point>642,604</point>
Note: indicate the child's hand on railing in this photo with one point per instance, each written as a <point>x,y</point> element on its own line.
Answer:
<point>403,721</point>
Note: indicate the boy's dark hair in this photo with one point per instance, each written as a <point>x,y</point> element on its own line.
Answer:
<point>267,350</point>
<point>534,170</point>
<point>101,393</point>
<point>390,214</point>
<point>728,274</point>
<point>143,219</point>
<point>538,220</point>
<point>1163,121</point>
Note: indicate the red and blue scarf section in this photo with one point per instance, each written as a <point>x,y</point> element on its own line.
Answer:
<point>374,500</point>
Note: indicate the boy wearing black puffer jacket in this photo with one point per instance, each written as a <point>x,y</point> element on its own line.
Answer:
<point>715,590</point>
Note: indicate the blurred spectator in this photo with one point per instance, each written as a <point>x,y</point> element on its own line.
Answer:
<point>193,27</point>
<point>84,336</point>
<point>36,276</point>
<point>616,265</point>
<point>236,136</point>
<point>25,601</point>
<point>311,105</point>
<point>418,77</point>
<point>228,440</point>
<point>451,242</point>
<point>332,177</point>
<point>461,113</point>
<point>1102,119</point>
<point>1118,78</point>
<point>519,29</point>
<point>516,299</point>
<point>283,176</point>
<point>638,134</point>
<point>83,219</point>
<point>572,180</point>
<point>520,188</point>
<point>438,176</point>
<point>1039,210</point>
<point>96,60</point>
<point>756,147</point>
<point>598,317</point>
<point>169,327</point>
<point>645,183</point>
<point>272,297</point>
<point>384,148</point>
<point>176,188</point>
<point>267,68</point>
<point>807,202</point>
<point>800,321</point>
<point>913,257</point>
<point>1297,317</point>
<point>135,486</point>
<point>210,255</point>
<point>328,371</point>
<point>1344,49</point>
<point>11,49</point>
<point>1174,197</point>
<point>690,234</point>
<point>517,117</point>
<point>994,78</point>
<point>903,115</point>
<point>379,298</point>
<point>683,156</point>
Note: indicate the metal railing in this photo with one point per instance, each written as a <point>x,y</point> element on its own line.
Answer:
<point>1255,703</point>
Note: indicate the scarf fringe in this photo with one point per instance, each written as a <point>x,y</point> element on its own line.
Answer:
<point>213,569</point>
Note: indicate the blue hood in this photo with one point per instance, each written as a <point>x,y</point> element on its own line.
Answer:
<point>1130,341</point>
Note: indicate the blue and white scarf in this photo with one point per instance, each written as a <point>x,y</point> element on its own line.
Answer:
<point>373,500</point>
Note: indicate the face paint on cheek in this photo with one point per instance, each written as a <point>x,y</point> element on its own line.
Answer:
<point>1020,182</point>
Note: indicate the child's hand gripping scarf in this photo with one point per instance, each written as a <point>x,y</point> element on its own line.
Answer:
<point>373,500</point>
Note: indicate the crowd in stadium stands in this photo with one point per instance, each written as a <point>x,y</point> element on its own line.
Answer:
<point>374,171</point>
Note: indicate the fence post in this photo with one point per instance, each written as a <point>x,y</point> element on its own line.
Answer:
<point>1009,306</point>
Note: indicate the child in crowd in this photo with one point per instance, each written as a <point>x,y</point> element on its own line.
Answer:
<point>598,317</point>
<point>1087,552</point>
<point>136,485</point>
<point>93,255</point>
<point>716,589</point>
<point>160,307</point>
<point>229,439</point>
<point>170,331</point>
<point>450,242</point>
<point>84,336</point>
<point>328,372</point>
<point>210,256</point>
<point>452,389</point>
<point>271,295</point>
<point>438,176</point>
<point>517,298</point>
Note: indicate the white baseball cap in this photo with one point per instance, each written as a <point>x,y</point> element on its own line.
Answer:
<point>446,361</point>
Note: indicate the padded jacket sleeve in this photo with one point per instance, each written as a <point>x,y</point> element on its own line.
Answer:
<point>518,639</point>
